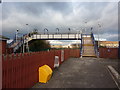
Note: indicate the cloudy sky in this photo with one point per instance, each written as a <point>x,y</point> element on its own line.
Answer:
<point>62,15</point>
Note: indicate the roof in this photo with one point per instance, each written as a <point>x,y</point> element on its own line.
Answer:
<point>3,38</point>
<point>108,42</point>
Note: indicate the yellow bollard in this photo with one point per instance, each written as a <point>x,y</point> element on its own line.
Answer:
<point>45,73</point>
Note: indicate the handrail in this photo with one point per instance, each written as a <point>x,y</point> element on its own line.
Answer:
<point>20,42</point>
<point>95,46</point>
<point>11,43</point>
<point>81,46</point>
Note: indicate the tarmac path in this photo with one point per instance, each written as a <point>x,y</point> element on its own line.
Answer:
<point>83,72</point>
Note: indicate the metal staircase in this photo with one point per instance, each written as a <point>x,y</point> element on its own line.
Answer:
<point>88,45</point>
<point>16,44</point>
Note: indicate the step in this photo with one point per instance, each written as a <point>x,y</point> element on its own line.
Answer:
<point>89,48</point>
<point>88,45</point>
<point>87,39</point>
<point>89,55</point>
<point>89,52</point>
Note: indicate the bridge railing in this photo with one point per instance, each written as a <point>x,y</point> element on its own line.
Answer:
<point>95,46</point>
<point>56,36</point>
<point>81,49</point>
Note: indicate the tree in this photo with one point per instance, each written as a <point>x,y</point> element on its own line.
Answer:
<point>38,45</point>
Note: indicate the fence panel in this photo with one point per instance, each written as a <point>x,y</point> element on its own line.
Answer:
<point>108,52</point>
<point>21,70</point>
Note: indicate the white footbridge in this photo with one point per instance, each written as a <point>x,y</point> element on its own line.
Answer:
<point>28,37</point>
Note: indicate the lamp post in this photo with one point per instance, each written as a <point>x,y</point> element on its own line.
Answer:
<point>57,30</point>
<point>16,36</point>
<point>27,46</point>
<point>69,29</point>
<point>45,30</point>
<point>99,26</point>
<point>91,29</point>
<point>23,43</point>
<point>85,26</point>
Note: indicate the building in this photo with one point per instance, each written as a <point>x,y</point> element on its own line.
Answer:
<point>56,46</point>
<point>3,44</point>
<point>75,45</point>
<point>109,44</point>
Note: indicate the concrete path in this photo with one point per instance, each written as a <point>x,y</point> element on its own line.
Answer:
<point>82,73</point>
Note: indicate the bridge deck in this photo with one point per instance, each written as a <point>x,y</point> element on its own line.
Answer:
<point>82,73</point>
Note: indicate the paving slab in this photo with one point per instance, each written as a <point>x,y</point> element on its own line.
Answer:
<point>83,72</point>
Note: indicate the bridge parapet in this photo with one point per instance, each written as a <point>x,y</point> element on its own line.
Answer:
<point>56,36</point>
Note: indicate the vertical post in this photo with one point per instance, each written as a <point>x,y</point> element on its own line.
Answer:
<point>69,30</point>
<point>91,30</point>
<point>81,47</point>
<point>44,31</point>
<point>85,27</point>
<point>57,30</point>
<point>99,26</point>
<point>27,40</point>
<point>78,39</point>
<point>16,36</point>
<point>23,43</point>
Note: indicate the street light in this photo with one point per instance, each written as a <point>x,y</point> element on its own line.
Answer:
<point>57,30</point>
<point>16,36</point>
<point>85,26</point>
<point>69,29</point>
<point>98,33</point>
<point>91,29</point>
<point>99,26</point>
<point>28,39</point>
<point>45,30</point>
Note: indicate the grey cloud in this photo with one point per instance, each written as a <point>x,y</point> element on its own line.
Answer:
<point>59,14</point>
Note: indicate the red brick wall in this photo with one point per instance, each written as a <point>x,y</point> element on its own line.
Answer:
<point>108,52</point>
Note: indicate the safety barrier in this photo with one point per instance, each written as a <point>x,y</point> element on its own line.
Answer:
<point>21,70</point>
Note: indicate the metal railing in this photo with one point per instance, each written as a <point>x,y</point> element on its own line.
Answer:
<point>81,49</point>
<point>95,46</point>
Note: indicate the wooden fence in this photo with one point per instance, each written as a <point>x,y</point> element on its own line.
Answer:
<point>21,70</point>
<point>108,52</point>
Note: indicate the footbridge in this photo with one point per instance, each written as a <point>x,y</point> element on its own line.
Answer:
<point>88,45</point>
<point>18,42</point>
